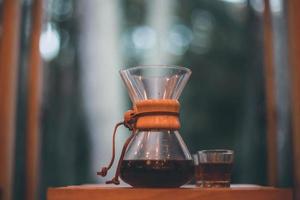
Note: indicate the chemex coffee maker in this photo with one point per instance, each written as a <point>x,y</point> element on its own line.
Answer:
<point>154,155</point>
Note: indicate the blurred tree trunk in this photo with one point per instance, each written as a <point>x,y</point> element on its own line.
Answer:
<point>294,47</point>
<point>9,50</point>
<point>101,84</point>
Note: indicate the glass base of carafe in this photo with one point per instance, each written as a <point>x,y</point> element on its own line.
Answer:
<point>157,173</point>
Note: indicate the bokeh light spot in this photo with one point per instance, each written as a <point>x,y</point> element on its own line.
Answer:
<point>49,43</point>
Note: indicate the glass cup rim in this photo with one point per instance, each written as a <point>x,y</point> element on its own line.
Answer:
<point>218,151</point>
<point>216,156</point>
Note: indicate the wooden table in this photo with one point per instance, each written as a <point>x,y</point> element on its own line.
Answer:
<point>104,192</point>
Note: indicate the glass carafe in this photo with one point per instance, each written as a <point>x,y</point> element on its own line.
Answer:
<point>156,155</point>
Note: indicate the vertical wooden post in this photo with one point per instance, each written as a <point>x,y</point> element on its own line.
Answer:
<point>33,105</point>
<point>294,42</point>
<point>8,82</point>
<point>270,96</point>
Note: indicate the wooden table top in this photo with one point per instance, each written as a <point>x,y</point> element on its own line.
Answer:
<point>105,192</point>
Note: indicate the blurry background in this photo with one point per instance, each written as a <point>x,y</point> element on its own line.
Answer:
<point>83,44</point>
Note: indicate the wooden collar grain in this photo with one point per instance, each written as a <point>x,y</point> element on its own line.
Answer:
<point>157,114</point>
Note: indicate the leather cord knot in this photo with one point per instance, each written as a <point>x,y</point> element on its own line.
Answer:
<point>129,119</point>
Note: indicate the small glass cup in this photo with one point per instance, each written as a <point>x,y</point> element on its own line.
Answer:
<point>214,169</point>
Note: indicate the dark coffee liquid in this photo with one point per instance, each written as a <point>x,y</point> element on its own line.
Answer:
<point>214,171</point>
<point>157,173</point>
